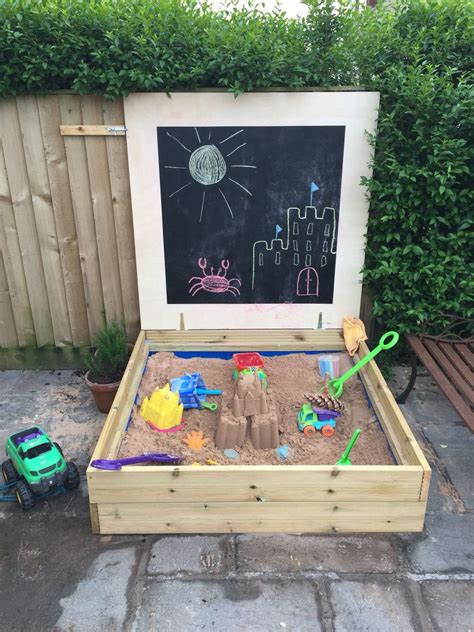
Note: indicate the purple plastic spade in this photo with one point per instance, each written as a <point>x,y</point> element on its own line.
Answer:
<point>147,457</point>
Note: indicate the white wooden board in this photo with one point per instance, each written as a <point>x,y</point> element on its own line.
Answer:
<point>145,113</point>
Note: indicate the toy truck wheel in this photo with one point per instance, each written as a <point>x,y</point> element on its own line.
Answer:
<point>72,480</point>
<point>309,430</point>
<point>9,473</point>
<point>327,431</point>
<point>25,497</point>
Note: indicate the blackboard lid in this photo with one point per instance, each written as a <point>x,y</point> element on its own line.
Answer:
<point>248,212</point>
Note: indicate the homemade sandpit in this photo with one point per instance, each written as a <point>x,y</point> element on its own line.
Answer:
<point>289,377</point>
<point>276,271</point>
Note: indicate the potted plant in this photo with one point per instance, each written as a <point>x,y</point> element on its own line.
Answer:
<point>106,365</point>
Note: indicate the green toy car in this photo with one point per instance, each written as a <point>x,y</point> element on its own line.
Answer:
<point>36,465</point>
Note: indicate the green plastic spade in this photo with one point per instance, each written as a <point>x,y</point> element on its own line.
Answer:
<point>387,341</point>
<point>345,460</point>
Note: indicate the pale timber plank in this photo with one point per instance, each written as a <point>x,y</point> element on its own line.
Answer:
<point>25,221</point>
<point>288,340</point>
<point>397,430</point>
<point>70,107</point>
<point>56,163</point>
<point>13,265</point>
<point>114,424</point>
<point>95,524</point>
<point>249,483</point>
<point>103,212</point>
<point>8,337</point>
<point>122,208</point>
<point>44,218</point>
<point>92,130</point>
<point>235,517</point>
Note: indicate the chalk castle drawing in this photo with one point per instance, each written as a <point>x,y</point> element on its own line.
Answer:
<point>310,241</point>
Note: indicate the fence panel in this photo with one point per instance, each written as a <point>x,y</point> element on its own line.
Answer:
<point>67,259</point>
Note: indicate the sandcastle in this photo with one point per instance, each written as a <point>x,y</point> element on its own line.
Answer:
<point>251,407</point>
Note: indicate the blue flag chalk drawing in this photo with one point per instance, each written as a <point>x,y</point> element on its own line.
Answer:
<point>278,230</point>
<point>314,187</point>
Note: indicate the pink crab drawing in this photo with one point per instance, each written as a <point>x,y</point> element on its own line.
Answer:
<point>215,283</point>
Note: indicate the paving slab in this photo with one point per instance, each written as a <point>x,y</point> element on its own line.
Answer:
<point>372,607</point>
<point>99,601</point>
<point>429,404</point>
<point>58,401</point>
<point>450,604</point>
<point>46,555</point>
<point>191,555</point>
<point>228,606</point>
<point>446,546</point>
<point>55,575</point>
<point>9,380</point>
<point>443,496</point>
<point>293,553</point>
<point>454,446</point>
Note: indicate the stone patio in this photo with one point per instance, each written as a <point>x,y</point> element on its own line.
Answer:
<point>56,575</point>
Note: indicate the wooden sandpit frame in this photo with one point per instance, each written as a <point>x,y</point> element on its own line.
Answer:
<point>258,498</point>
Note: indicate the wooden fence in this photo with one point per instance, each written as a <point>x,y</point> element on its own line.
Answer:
<point>67,257</point>
<point>67,263</point>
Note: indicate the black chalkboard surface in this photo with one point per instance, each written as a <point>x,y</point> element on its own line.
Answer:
<point>250,215</point>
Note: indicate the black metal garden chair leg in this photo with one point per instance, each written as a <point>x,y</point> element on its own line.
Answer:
<point>402,398</point>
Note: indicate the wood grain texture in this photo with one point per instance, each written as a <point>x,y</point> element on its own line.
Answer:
<point>8,337</point>
<point>265,498</point>
<point>53,284</point>
<point>291,483</point>
<point>398,432</point>
<point>99,179</point>
<point>95,523</point>
<point>241,517</point>
<point>92,130</point>
<point>17,174</point>
<point>44,217</point>
<point>13,266</point>
<point>83,215</point>
<point>56,164</point>
<point>122,209</point>
<point>263,339</point>
<point>114,426</point>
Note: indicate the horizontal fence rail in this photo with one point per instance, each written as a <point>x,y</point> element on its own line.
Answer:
<point>67,256</point>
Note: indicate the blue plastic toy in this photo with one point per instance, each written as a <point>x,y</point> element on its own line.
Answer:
<point>312,419</point>
<point>193,392</point>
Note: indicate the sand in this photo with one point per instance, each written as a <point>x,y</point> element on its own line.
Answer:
<point>289,377</point>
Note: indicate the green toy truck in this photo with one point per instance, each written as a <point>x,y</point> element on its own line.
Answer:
<point>36,466</point>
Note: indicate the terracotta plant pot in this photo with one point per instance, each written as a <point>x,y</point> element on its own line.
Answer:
<point>103,393</point>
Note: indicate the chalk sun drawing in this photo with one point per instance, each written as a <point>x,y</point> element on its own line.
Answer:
<point>214,283</point>
<point>207,166</point>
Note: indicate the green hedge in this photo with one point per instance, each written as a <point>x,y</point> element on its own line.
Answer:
<point>419,252</point>
<point>416,52</point>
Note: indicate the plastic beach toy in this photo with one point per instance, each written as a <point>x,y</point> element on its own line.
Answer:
<point>328,363</point>
<point>387,341</point>
<point>248,360</point>
<point>162,410</point>
<point>116,464</point>
<point>192,391</point>
<point>345,460</point>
